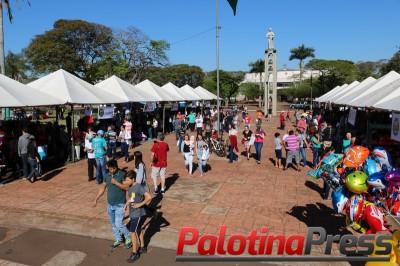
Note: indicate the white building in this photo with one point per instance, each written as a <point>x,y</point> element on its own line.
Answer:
<point>286,77</point>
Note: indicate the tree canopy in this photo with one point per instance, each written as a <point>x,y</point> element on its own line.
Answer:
<point>179,75</point>
<point>332,73</point>
<point>392,64</point>
<point>94,52</point>
<point>301,53</point>
<point>229,83</point>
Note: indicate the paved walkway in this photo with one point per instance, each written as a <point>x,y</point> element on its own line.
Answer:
<point>243,196</point>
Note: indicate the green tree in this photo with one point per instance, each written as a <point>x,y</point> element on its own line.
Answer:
<point>4,4</point>
<point>228,83</point>
<point>301,53</point>
<point>392,64</point>
<point>259,68</point>
<point>16,66</point>
<point>332,73</point>
<point>139,52</point>
<point>76,46</point>
<point>250,90</point>
<point>179,75</point>
<point>369,69</point>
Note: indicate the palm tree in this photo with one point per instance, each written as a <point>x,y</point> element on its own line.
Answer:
<point>301,53</point>
<point>258,67</point>
<point>4,4</point>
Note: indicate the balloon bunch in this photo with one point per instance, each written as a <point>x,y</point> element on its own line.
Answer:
<point>364,184</point>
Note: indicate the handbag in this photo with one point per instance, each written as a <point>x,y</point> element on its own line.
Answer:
<point>227,142</point>
<point>252,139</point>
<point>243,141</point>
<point>155,159</point>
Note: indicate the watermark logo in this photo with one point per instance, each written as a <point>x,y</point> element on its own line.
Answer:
<point>260,246</point>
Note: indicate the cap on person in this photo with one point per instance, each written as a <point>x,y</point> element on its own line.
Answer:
<point>100,132</point>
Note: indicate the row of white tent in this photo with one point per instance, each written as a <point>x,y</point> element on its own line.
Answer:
<point>61,87</point>
<point>382,93</point>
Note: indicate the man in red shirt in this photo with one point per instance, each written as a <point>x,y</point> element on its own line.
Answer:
<point>159,162</point>
<point>282,120</point>
<point>247,120</point>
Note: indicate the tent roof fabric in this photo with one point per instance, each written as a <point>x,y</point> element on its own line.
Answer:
<point>120,88</point>
<point>203,90</point>
<point>204,95</point>
<point>387,97</point>
<point>16,94</point>
<point>154,90</point>
<point>173,91</point>
<point>321,98</point>
<point>368,95</point>
<point>350,87</point>
<point>72,90</point>
<point>345,97</point>
<point>189,94</point>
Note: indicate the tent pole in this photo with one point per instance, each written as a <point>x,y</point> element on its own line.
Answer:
<point>70,137</point>
<point>163,129</point>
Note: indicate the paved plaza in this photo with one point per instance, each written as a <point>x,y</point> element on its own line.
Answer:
<point>242,195</point>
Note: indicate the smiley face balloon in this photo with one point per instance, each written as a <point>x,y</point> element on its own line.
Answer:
<point>357,182</point>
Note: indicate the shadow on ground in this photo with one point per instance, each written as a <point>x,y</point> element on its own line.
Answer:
<point>320,215</point>
<point>50,175</point>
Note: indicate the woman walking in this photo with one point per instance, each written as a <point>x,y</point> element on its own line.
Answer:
<point>247,133</point>
<point>303,146</point>
<point>233,144</point>
<point>187,149</point>
<point>33,158</point>
<point>124,144</point>
<point>199,148</point>
<point>140,170</point>
<point>259,142</point>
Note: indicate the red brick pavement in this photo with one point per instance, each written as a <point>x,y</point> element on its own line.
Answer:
<point>242,195</point>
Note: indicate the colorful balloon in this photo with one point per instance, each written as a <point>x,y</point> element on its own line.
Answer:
<point>355,207</point>
<point>377,180</point>
<point>355,156</point>
<point>383,157</point>
<point>374,217</point>
<point>371,166</point>
<point>393,177</point>
<point>339,199</point>
<point>357,182</point>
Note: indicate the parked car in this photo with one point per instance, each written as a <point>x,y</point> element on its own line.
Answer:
<point>300,105</point>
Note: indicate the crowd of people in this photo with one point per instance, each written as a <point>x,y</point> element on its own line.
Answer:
<point>193,132</point>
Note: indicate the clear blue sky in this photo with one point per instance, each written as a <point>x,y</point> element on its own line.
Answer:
<point>357,30</point>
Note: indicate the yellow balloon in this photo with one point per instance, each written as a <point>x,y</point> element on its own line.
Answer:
<point>394,254</point>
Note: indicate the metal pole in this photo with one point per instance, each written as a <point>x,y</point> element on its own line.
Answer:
<point>163,129</point>
<point>311,106</point>
<point>217,62</point>
<point>70,137</point>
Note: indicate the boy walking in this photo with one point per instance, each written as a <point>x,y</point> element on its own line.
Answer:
<point>116,199</point>
<point>137,198</point>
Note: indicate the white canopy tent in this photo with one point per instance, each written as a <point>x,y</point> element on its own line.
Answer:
<point>173,91</point>
<point>332,97</point>
<point>344,98</point>
<point>189,94</point>
<point>149,87</point>
<point>125,90</point>
<point>201,90</point>
<point>367,97</point>
<point>392,100</point>
<point>72,90</point>
<point>331,92</point>
<point>16,94</point>
<point>203,95</point>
